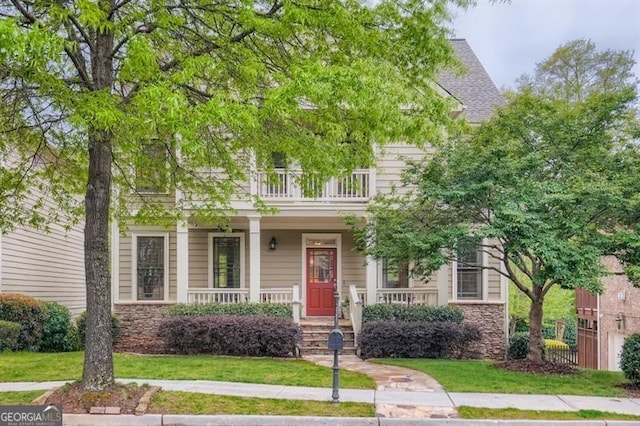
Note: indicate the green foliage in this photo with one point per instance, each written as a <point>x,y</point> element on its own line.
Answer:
<point>29,313</point>
<point>81,323</point>
<point>571,332</point>
<point>58,331</point>
<point>9,332</point>
<point>397,312</point>
<point>518,346</point>
<point>237,309</point>
<point>630,359</point>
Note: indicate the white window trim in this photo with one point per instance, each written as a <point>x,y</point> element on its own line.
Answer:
<point>337,246</point>
<point>134,264</point>
<point>211,236</point>
<point>484,279</point>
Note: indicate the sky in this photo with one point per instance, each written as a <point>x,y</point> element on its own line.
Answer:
<point>510,38</point>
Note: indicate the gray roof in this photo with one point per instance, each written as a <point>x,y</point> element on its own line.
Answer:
<point>474,89</point>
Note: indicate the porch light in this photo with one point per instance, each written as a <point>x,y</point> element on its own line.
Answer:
<point>273,243</point>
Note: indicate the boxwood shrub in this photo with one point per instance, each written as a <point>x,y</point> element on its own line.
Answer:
<point>9,332</point>
<point>519,346</point>
<point>58,331</point>
<point>398,312</point>
<point>26,311</point>
<point>279,310</point>
<point>231,335</point>
<point>81,324</point>
<point>630,359</point>
<point>418,339</point>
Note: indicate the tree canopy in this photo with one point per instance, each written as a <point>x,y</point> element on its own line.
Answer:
<point>95,92</point>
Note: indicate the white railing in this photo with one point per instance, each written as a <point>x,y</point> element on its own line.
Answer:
<point>409,296</point>
<point>217,295</point>
<point>362,295</point>
<point>288,186</point>
<point>276,295</point>
<point>355,311</point>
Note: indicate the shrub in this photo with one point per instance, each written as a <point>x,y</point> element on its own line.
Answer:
<point>9,332</point>
<point>554,344</point>
<point>571,332</point>
<point>630,359</point>
<point>81,323</point>
<point>279,310</point>
<point>58,332</point>
<point>417,339</point>
<point>231,335</point>
<point>26,311</point>
<point>397,312</point>
<point>519,346</point>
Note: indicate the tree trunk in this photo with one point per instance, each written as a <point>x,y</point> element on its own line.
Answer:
<point>98,356</point>
<point>536,343</point>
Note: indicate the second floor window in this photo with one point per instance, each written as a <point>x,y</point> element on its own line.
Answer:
<point>469,275</point>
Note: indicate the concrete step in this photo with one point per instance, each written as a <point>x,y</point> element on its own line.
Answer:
<point>325,351</point>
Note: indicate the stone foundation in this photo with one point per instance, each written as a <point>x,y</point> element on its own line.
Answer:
<point>139,324</point>
<point>490,317</point>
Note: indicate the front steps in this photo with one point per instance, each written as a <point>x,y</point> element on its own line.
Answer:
<point>316,336</point>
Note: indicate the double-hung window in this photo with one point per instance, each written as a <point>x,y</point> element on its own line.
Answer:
<point>151,266</point>
<point>469,276</point>
<point>395,275</point>
<point>226,260</point>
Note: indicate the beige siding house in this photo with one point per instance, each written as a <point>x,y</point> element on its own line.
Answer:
<point>304,252</point>
<point>45,265</point>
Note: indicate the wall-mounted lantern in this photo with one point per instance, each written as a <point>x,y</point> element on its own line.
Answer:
<point>273,243</point>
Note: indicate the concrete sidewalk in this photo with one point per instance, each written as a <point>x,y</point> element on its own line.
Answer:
<point>401,398</point>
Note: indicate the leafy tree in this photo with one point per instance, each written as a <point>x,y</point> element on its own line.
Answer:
<point>577,69</point>
<point>106,92</point>
<point>546,187</point>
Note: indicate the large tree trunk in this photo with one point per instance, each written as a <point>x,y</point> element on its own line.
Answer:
<point>536,343</point>
<point>98,357</point>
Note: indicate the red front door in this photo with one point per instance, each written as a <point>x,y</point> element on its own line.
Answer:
<point>321,281</point>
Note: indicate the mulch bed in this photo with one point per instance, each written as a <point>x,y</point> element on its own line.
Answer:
<point>524,366</point>
<point>632,391</point>
<point>75,400</point>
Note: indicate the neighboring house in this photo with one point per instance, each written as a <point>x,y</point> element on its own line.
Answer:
<point>305,251</point>
<point>605,320</point>
<point>45,265</point>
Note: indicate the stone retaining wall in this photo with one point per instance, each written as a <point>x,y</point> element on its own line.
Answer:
<point>139,327</point>
<point>491,319</point>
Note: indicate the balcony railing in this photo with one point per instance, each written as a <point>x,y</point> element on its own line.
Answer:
<point>287,186</point>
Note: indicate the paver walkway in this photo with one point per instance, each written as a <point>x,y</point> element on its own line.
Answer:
<point>422,396</point>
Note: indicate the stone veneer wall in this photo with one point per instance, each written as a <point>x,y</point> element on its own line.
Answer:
<point>139,327</point>
<point>491,319</point>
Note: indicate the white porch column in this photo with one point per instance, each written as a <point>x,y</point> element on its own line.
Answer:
<point>443,284</point>
<point>182,260</point>
<point>115,262</point>
<point>254,258</point>
<point>372,281</point>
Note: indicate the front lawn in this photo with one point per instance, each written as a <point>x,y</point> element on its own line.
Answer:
<point>41,367</point>
<point>515,414</point>
<point>19,398</point>
<point>482,376</point>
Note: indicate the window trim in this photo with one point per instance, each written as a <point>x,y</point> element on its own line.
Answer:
<point>382,279</point>
<point>134,265</point>
<point>484,278</point>
<point>210,237</point>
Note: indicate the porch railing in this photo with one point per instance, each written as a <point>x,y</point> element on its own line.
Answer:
<point>218,295</point>
<point>355,311</point>
<point>287,185</point>
<point>409,296</point>
<point>276,295</point>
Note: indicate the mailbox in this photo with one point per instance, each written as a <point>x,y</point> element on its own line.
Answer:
<point>336,340</point>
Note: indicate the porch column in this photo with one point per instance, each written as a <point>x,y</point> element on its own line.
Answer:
<point>254,258</point>
<point>182,260</point>
<point>115,262</point>
<point>372,281</point>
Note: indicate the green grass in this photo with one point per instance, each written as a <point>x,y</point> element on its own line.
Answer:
<point>198,403</point>
<point>482,376</point>
<point>18,398</point>
<point>514,414</point>
<point>30,366</point>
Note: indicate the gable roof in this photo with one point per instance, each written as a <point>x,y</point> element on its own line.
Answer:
<point>474,89</point>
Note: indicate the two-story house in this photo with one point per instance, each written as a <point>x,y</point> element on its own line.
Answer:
<point>305,252</point>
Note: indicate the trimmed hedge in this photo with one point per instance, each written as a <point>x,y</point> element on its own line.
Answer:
<point>398,312</point>
<point>630,359</point>
<point>58,332</point>
<point>81,323</point>
<point>231,335</point>
<point>279,310</point>
<point>418,339</point>
<point>9,332</point>
<point>26,311</point>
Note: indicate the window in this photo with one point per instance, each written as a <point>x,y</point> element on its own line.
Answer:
<point>395,275</point>
<point>151,168</point>
<point>469,276</point>
<point>151,276</point>
<point>226,261</point>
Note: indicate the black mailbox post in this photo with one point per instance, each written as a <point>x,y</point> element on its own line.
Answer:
<point>336,343</point>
